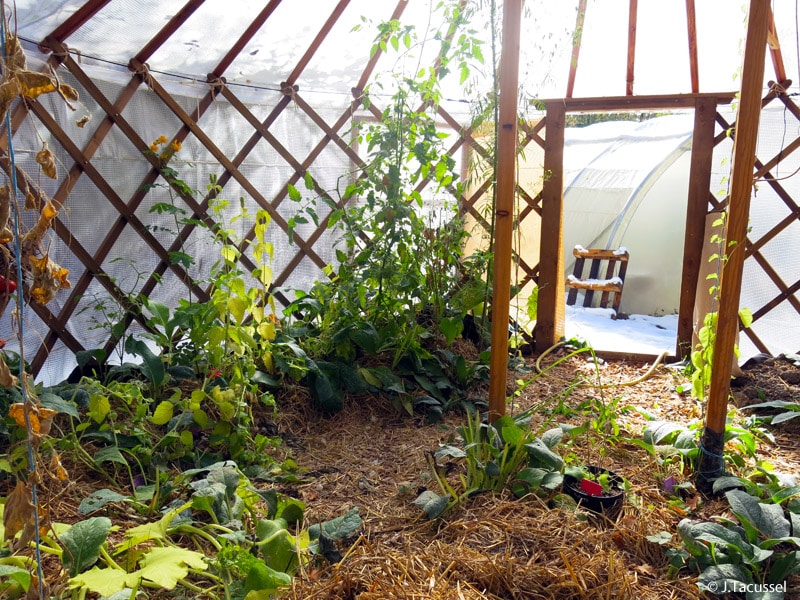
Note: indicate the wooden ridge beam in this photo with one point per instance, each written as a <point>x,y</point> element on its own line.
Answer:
<point>317,42</point>
<point>237,47</point>
<point>691,29</point>
<point>577,38</point>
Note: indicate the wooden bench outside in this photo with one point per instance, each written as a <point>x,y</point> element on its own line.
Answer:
<point>610,285</point>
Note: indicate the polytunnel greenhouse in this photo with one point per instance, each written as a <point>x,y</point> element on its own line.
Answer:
<point>433,299</point>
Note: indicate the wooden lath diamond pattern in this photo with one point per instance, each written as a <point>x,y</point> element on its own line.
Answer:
<point>332,136</point>
<point>753,248</point>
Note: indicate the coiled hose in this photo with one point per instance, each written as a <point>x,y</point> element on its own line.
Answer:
<point>644,377</point>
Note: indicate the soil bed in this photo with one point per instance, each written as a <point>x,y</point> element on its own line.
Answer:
<point>496,546</point>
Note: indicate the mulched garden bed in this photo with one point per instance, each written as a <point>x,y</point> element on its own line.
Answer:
<point>496,546</point>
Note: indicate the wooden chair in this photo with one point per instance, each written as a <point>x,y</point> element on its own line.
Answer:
<point>610,285</point>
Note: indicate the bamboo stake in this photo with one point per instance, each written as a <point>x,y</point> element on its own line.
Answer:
<point>744,150</point>
<point>504,209</point>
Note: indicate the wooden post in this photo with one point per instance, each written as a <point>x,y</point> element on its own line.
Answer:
<point>744,149</point>
<point>576,46</point>
<point>504,209</point>
<point>691,27</point>
<point>632,10</point>
<point>550,311</point>
<point>705,113</point>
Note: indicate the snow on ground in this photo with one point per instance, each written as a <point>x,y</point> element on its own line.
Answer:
<point>638,334</point>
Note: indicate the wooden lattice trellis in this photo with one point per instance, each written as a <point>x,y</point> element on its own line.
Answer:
<point>535,205</point>
<point>331,134</point>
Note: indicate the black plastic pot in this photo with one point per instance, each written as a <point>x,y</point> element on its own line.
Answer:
<point>607,503</point>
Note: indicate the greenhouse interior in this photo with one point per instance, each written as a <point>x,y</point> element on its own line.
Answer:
<point>431,299</point>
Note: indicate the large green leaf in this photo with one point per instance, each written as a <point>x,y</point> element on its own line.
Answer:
<point>714,533</point>
<point>366,337</point>
<point>167,565</point>
<point>150,531</point>
<point>152,365</point>
<point>262,582</point>
<point>719,578</point>
<point>104,581</point>
<point>512,434</point>
<point>432,503</point>
<point>163,413</point>
<point>541,456</point>
<point>55,402</point>
<point>21,576</point>
<point>783,566</point>
<point>277,545</point>
<point>99,499</point>
<point>552,437</point>
<point>758,519</point>
<point>109,454</point>
<point>329,399</point>
<point>451,328</point>
<point>337,528</point>
<point>159,311</point>
<point>656,432</point>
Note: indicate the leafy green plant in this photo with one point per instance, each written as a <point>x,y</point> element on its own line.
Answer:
<point>677,444</point>
<point>248,541</point>
<point>702,356</point>
<point>790,410</point>
<point>145,436</point>
<point>400,286</point>
<point>759,546</point>
<point>503,455</point>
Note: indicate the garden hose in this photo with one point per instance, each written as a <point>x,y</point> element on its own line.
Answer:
<point>644,377</point>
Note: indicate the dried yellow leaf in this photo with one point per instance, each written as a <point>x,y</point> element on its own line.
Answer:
<point>31,203</point>
<point>48,278</point>
<point>35,234</point>
<point>9,90</point>
<point>40,418</point>
<point>57,469</point>
<point>15,55</point>
<point>17,412</point>
<point>68,92</point>
<point>34,85</point>
<point>7,380</point>
<point>18,510</point>
<point>83,121</point>
<point>5,205</point>
<point>47,161</point>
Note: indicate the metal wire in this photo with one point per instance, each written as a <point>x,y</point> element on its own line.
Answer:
<point>21,321</point>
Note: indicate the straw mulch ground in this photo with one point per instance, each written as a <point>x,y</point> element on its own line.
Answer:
<point>495,546</point>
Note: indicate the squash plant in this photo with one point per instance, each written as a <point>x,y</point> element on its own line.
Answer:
<point>246,541</point>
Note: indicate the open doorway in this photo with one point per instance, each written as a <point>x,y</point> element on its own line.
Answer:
<point>625,188</point>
